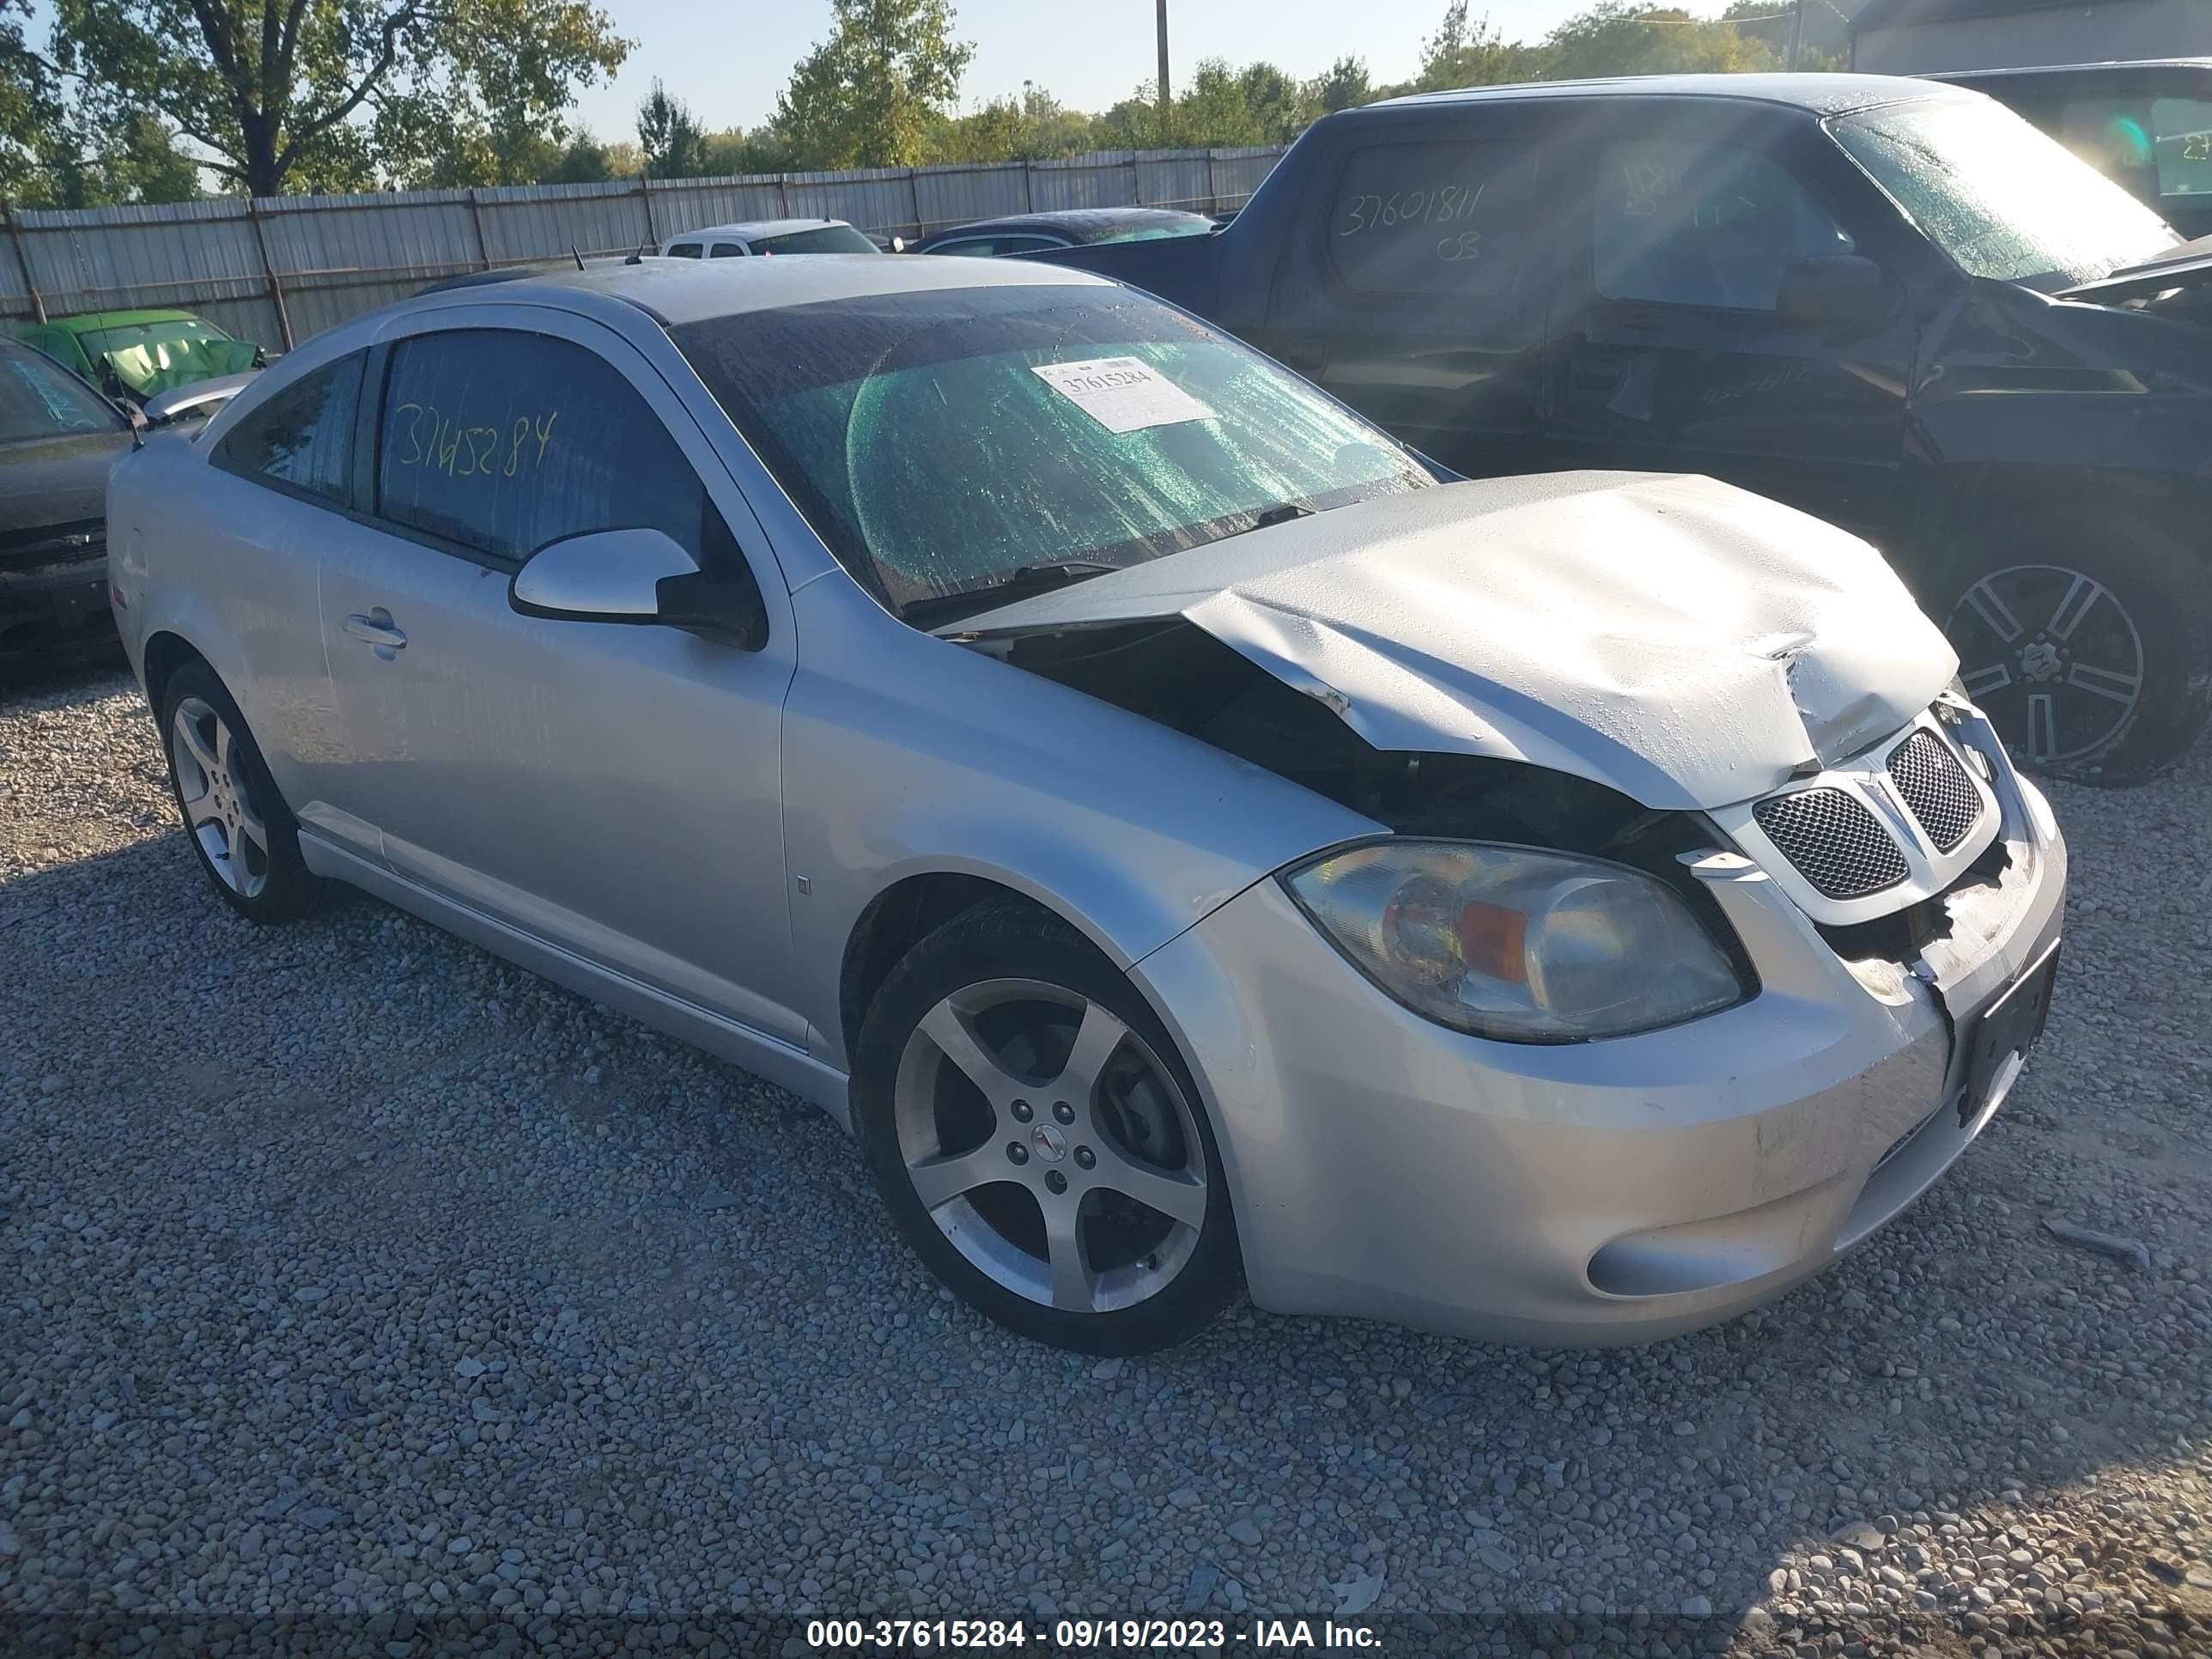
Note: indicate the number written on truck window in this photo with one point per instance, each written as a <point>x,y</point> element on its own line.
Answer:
<point>1434,218</point>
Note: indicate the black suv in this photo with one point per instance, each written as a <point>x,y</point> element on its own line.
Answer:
<point>1894,304</point>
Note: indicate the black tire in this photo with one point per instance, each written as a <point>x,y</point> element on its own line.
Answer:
<point>2103,606</point>
<point>276,884</point>
<point>1003,942</point>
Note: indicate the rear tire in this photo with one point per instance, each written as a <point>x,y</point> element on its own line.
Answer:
<point>242,831</point>
<point>1039,1141</point>
<point>2091,655</point>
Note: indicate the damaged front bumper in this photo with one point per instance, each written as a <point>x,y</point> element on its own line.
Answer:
<point>1385,1166</point>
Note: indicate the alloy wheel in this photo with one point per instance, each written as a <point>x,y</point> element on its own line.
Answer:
<point>2052,656</point>
<point>1050,1145</point>
<point>218,808</point>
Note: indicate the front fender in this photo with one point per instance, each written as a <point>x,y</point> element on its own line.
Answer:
<point>908,755</point>
<point>2008,377</point>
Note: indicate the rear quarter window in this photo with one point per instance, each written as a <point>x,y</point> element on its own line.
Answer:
<point>300,440</point>
<point>1424,218</point>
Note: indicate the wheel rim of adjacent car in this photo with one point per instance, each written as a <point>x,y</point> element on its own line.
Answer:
<point>2052,655</point>
<point>1050,1145</point>
<point>211,789</point>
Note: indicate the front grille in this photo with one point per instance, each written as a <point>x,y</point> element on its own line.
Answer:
<point>1936,787</point>
<point>1833,841</point>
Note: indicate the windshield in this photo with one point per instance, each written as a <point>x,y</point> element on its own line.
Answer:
<point>1195,226</point>
<point>939,442</point>
<point>2000,197</point>
<point>829,239</point>
<point>39,399</point>
<point>169,332</point>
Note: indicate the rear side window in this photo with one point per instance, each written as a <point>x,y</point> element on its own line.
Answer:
<point>301,439</point>
<point>1703,224</point>
<point>729,251</point>
<point>502,442</point>
<point>829,239</point>
<point>1438,218</point>
<point>2181,130</point>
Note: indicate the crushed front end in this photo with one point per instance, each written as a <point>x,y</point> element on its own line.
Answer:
<point>1897,914</point>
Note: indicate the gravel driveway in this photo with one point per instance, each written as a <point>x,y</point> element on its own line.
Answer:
<point>345,1271</point>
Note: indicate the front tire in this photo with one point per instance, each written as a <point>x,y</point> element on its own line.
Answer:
<point>1038,1139</point>
<point>243,836</point>
<point>2091,655</point>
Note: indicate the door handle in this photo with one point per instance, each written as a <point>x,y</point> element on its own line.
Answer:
<point>376,629</point>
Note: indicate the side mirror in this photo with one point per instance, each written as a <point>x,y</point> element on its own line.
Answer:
<point>898,244</point>
<point>1839,296</point>
<point>637,576</point>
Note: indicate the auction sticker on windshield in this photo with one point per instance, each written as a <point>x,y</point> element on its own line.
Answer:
<point>1122,394</point>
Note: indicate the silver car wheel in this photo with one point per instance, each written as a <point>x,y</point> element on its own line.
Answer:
<point>212,789</point>
<point>1050,1145</point>
<point>2053,655</point>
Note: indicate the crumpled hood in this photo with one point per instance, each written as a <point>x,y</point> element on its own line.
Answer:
<point>1683,640</point>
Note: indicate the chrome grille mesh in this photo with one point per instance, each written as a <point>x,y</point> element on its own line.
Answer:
<point>1936,787</point>
<point>1833,841</point>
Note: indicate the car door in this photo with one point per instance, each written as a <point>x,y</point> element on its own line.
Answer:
<point>613,789</point>
<point>1413,283</point>
<point>1669,351</point>
<point>278,491</point>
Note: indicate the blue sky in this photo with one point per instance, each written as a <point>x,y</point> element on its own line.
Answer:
<point>728,62</point>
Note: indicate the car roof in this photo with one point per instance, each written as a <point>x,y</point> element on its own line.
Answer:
<point>675,292</point>
<point>752,227</point>
<point>90,322</point>
<point>2069,71</point>
<point>1074,221</point>
<point>1818,93</point>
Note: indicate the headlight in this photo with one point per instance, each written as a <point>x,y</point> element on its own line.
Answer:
<point>1508,943</point>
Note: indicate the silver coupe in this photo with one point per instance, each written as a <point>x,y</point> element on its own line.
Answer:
<point>1190,841</point>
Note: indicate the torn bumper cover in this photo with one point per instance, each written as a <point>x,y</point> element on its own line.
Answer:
<point>1601,1192</point>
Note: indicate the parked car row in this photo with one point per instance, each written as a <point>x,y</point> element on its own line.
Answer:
<point>1025,233</point>
<point>60,433</point>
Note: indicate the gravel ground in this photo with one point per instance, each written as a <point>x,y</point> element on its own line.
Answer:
<point>346,1272</point>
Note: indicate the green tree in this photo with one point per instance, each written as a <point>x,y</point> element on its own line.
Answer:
<point>1344,87</point>
<point>871,94</point>
<point>291,93</point>
<point>582,160</point>
<point>1622,37</point>
<point>673,143</point>
<point>1278,108</point>
<point>143,164</point>
<point>737,150</point>
<point>1469,53</point>
<point>32,113</point>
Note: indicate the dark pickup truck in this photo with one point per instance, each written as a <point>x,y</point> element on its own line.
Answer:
<point>1896,305</point>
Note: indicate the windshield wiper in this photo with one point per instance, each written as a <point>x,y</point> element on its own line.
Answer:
<point>1022,582</point>
<point>1281,513</point>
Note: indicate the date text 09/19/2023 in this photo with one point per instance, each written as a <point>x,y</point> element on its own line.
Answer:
<point>1078,1634</point>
